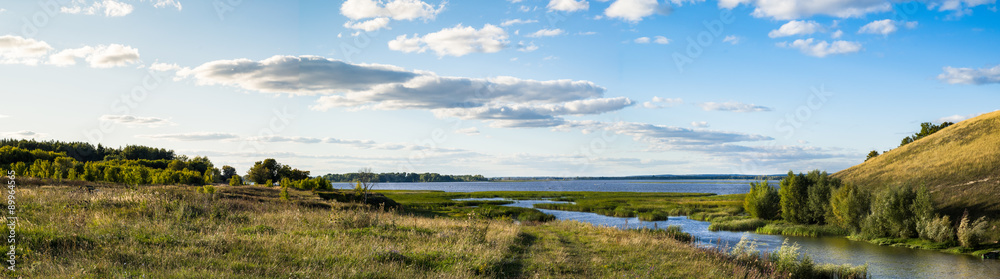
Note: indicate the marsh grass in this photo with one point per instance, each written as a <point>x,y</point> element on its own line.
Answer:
<point>737,225</point>
<point>781,228</point>
<point>249,232</point>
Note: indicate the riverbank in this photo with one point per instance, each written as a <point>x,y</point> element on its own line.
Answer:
<point>113,231</point>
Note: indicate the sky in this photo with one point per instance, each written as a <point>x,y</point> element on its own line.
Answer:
<point>499,87</point>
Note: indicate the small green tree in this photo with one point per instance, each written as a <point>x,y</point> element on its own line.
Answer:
<point>235,180</point>
<point>794,194</point>
<point>763,201</point>
<point>269,183</point>
<point>284,193</point>
<point>871,155</point>
<point>850,206</point>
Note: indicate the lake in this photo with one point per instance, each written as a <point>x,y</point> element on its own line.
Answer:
<point>883,261</point>
<point>721,187</point>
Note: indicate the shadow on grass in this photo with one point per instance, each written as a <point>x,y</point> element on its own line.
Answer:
<point>512,266</point>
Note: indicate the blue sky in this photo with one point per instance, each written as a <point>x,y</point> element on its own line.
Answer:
<point>530,87</point>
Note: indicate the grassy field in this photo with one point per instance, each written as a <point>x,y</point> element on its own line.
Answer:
<point>959,164</point>
<point>248,232</point>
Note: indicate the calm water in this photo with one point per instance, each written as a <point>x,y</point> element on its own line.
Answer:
<point>721,187</point>
<point>883,262</point>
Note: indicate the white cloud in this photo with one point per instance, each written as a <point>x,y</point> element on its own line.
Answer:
<point>109,8</point>
<point>957,118</point>
<point>885,26</point>
<point>529,47</point>
<point>971,76</point>
<point>817,48</point>
<point>633,10</point>
<point>3,10</point>
<point>796,27</point>
<point>733,106</point>
<point>204,136</point>
<point>547,33</point>
<point>958,8</point>
<point>699,124</point>
<point>837,34</point>
<point>588,33</point>
<point>24,134</point>
<point>19,50</point>
<point>381,11</point>
<point>102,56</point>
<point>456,41</point>
<point>661,40</point>
<point>732,39</point>
<point>568,5</point>
<point>535,115</point>
<point>658,103</point>
<point>131,120</point>
<point>641,40</point>
<point>4,116</point>
<point>517,21</point>
<point>430,91</point>
<point>660,136</point>
<point>796,9</point>
<point>164,67</point>
<point>304,75</point>
<point>368,25</point>
<point>468,131</point>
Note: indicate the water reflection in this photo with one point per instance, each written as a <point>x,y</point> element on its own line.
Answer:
<point>883,261</point>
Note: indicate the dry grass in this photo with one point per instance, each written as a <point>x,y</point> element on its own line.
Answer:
<point>247,232</point>
<point>959,164</point>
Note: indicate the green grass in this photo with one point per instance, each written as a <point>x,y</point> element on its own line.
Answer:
<point>781,228</point>
<point>958,164</point>
<point>737,225</point>
<point>248,232</point>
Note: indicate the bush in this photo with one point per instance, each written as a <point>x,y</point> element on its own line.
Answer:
<point>786,260</point>
<point>656,215</point>
<point>763,201</point>
<point>937,229</point>
<point>849,205</point>
<point>971,234</point>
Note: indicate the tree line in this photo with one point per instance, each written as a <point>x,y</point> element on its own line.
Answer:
<point>136,165</point>
<point>405,177</point>
<point>902,212</point>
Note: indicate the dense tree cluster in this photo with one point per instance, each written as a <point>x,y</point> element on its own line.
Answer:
<point>86,152</point>
<point>59,166</point>
<point>407,177</point>
<point>900,212</point>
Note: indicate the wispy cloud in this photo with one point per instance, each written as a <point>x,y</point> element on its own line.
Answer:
<point>456,41</point>
<point>131,120</point>
<point>25,134</point>
<point>198,136</point>
<point>979,76</point>
<point>733,106</point>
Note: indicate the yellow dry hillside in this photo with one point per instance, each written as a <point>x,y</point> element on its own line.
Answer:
<point>959,164</point>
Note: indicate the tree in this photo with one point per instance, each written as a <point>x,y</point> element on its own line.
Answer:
<point>228,172</point>
<point>971,234</point>
<point>850,206</point>
<point>177,165</point>
<point>366,181</point>
<point>871,155</point>
<point>763,201</point>
<point>235,180</point>
<point>262,171</point>
<point>820,185</point>
<point>794,194</point>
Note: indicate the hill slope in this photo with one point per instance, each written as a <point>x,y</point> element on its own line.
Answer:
<point>959,164</point>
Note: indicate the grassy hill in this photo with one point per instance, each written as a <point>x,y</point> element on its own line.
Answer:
<point>959,164</point>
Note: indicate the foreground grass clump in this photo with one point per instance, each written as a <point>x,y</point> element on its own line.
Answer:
<point>789,262</point>
<point>249,232</point>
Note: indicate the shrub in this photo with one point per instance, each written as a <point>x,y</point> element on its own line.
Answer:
<point>849,205</point>
<point>656,215</point>
<point>938,229</point>
<point>971,234</point>
<point>763,201</point>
